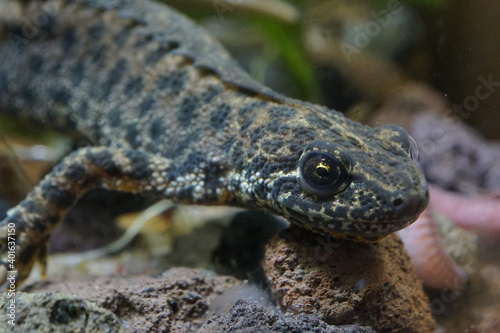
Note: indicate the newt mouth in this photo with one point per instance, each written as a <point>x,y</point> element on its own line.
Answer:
<point>366,229</point>
<point>362,214</point>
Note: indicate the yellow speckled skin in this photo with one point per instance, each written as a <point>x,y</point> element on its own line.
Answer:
<point>171,115</point>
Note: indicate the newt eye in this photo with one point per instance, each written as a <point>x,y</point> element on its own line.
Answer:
<point>322,174</point>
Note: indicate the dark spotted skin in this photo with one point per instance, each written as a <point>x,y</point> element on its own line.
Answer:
<point>170,114</point>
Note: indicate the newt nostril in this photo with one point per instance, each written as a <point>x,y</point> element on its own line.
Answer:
<point>397,202</point>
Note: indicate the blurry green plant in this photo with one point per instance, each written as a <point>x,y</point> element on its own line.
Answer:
<point>13,127</point>
<point>431,4</point>
<point>286,40</point>
<point>436,4</point>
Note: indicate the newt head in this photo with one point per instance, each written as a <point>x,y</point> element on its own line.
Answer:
<point>340,177</point>
<point>366,192</point>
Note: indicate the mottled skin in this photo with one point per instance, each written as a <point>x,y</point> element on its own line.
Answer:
<point>169,114</point>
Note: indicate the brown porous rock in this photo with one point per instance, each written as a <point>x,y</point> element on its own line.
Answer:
<point>344,282</point>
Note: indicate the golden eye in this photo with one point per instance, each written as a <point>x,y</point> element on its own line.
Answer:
<point>322,174</point>
<point>322,170</point>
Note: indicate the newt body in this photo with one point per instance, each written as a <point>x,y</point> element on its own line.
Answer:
<point>169,114</point>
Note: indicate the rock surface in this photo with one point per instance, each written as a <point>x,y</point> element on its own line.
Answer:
<point>179,300</point>
<point>341,282</point>
<point>48,312</point>
<point>176,301</point>
<point>246,316</point>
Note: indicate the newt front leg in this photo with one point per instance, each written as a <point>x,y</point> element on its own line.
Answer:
<point>25,231</point>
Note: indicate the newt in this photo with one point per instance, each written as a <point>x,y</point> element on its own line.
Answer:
<point>168,113</point>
